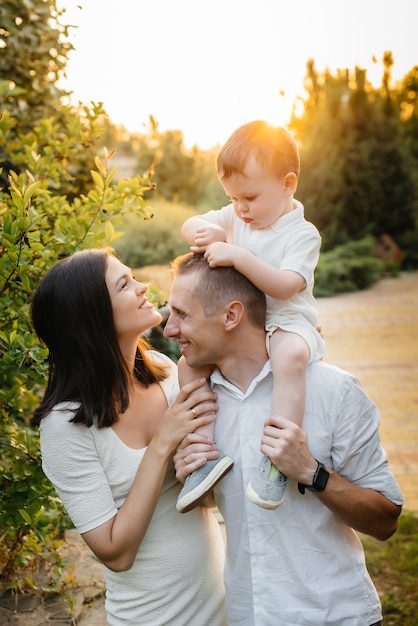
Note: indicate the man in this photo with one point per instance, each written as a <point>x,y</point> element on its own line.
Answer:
<point>303,562</point>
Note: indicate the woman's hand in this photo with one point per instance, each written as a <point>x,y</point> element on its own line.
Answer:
<point>192,453</point>
<point>191,410</point>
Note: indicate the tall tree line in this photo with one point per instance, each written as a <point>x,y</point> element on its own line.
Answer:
<point>359,154</point>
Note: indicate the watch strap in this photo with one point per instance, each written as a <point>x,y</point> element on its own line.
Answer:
<point>319,481</point>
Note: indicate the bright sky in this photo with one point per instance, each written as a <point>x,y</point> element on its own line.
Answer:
<point>206,67</point>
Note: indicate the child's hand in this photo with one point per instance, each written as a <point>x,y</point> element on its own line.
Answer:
<point>207,235</point>
<point>221,253</point>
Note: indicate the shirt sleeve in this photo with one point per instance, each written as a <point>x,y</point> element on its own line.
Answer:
<point>302,252</point>
<point>357,453</point>
<point>71,462</point>
<point>224,218</point>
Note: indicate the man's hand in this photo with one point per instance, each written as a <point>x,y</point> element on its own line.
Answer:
<point>192,453</point>
<point>284,442</point>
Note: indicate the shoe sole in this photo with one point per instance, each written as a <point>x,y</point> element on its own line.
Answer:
<point>196,496</point>
<point>265,504</point>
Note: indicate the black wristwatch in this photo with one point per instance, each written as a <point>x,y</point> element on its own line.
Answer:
<point>319,482</point>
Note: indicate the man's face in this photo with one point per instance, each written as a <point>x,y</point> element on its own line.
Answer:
<point>200,337</point>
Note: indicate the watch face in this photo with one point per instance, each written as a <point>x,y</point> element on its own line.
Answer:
<point>320,478</point>
<point>319,482</point>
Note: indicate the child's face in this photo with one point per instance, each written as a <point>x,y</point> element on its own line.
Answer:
<point>258,196</point>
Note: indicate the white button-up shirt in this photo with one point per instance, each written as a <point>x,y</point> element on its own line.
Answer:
<point>299,564</point>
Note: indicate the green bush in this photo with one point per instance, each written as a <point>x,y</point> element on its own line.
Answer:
<point>348,267</point>
<point>393,566</point>
<point>156,241</point>
<point>39,225</point>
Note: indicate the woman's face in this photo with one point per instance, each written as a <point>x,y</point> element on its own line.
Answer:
<point>132,312</point>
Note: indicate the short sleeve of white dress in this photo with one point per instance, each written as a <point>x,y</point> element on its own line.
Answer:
<point>71,461</point>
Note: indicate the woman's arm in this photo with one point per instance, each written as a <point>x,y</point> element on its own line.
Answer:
<point>71,462</point>
<point>117,541</point>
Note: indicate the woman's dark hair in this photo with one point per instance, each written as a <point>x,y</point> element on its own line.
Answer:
<point>72,314</point>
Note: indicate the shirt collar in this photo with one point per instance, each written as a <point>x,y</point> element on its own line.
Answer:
<point>217,379</point>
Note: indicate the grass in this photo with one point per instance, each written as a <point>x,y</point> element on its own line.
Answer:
<point>393,566</point>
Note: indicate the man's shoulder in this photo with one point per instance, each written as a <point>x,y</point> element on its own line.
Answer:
<point>328,374</point>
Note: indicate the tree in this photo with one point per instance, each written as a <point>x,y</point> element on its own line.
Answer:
<point>39,225</point>
<point>180,175</point>
<point>356,179</point>
<point>34,51</point>
<point>33,59</point>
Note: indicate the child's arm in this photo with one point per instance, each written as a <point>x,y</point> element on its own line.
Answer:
<point>200,233</point>
<point>279,284</point>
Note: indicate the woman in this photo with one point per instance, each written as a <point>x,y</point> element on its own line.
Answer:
<point>109,425</point>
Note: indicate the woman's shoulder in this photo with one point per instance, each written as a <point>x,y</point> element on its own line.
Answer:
<point>62,412</point>
<point>161,357</point>
<point>169,384</point>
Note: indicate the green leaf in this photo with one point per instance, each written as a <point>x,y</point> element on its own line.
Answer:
<point>98,180</point>
<point>25,516</point>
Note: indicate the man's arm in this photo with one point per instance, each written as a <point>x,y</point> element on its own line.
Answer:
<point>365,510</point>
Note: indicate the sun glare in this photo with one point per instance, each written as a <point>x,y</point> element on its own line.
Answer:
<point>204,68</point>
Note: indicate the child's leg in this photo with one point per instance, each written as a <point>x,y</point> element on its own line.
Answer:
<point>289,357</point>
<point>201,482</point>
<point>186,375</point>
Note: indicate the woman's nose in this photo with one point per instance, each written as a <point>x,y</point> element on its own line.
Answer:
<point>140,287</point>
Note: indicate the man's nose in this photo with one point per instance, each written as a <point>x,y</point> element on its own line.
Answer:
<point>169,328</point>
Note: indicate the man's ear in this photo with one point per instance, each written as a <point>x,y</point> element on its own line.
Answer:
<point>233,314</point>
<point>290,183</point>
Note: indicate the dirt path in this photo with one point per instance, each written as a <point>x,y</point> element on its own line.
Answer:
<point>374,334</point>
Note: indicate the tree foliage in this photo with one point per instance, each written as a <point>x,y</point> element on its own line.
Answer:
<point>39,225</point>
<point>34,51</point>
<point>180,175</point>
<point>357,178</point>
<point>156,241</point>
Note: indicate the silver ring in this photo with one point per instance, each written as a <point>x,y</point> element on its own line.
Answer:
<point>193,412</point>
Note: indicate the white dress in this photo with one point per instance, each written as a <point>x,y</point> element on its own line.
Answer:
<point>177,576</point>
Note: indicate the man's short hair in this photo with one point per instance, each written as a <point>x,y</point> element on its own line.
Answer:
<point>220,285</point>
